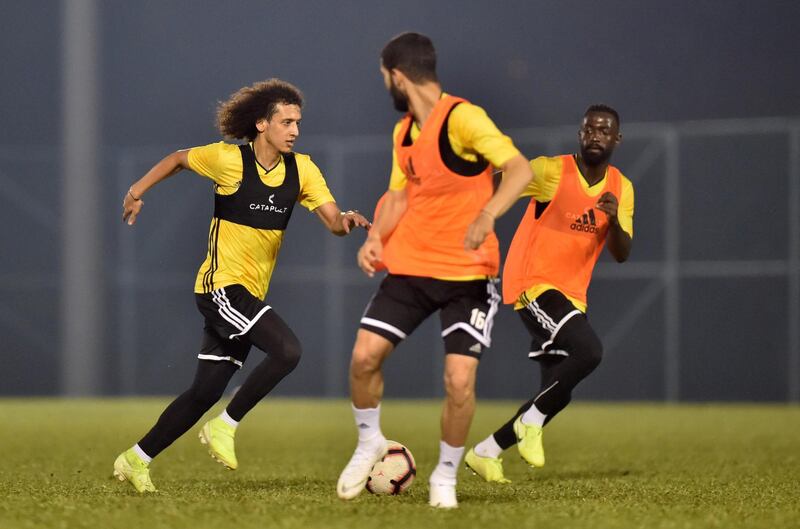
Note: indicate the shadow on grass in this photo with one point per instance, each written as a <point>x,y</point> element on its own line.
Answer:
<point>471,490</point>
<point>297,482</point>
<point>569,475</point>
<point>534,485</point>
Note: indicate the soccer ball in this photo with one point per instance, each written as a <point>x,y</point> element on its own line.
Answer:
<point>394,473</point>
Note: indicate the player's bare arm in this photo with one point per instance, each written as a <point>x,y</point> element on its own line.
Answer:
<point>617,240</point>
<point>392,209</point>
<point>132,202</point>
<point>516,176</point>
<point>340,222</point>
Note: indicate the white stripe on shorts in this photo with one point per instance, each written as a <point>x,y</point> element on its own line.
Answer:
<point>385,326</point>
<point>540,352</point>
<point>558,327</point>
<point>547,322</point>
<point>541,316</point>
<point>469,329</point>
<point>220,358</point>
<point>485,337</point>
<point>226,311</point>
<point>233,316</point>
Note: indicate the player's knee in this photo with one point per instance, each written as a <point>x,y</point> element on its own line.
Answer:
<point>595,353</point>
<point>292,351</point>
<point>364,361</point>
<point>459,387</point>
<point>362,365</point>
<point>583,345</point>
<point>590,354</point>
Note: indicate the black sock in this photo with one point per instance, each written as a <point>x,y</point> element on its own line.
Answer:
<point>505,435</point>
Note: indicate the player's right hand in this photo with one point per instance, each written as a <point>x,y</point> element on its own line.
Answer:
<point>477,232</point>
<point>130,208</point>
<point>370,255</point>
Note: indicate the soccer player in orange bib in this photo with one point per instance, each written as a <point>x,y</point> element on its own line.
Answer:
<point>579,203</point>
<point>256,185</point>
<point>437,221</point>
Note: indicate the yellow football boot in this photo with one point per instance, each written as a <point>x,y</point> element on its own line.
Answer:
<point>129,467</point>
<point>529,442</point>
<point>218,436</point>
<point>489,468</point>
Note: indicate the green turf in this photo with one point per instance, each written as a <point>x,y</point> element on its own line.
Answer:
<point>608,466</point>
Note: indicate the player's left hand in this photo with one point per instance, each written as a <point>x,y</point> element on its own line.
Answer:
<point>477,232</point>
<point>608,204</point>
<point>352,218</point>
<point>131,206</point>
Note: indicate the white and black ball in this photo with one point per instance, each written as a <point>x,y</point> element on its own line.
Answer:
<point>394,473</point>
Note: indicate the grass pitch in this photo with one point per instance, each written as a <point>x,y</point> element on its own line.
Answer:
<point>608,466</point>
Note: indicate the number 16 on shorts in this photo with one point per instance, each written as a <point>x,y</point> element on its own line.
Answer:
<point>477,319</point>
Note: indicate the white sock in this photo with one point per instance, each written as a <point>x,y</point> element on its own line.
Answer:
<point>368,422</point>
<point>488,448</point>
<point>228,419</point>
<point>139,452</point>
<point>533,416</point>
<point>449,459</point>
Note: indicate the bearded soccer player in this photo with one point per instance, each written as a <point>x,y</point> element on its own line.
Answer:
<point>579,203</point>
<point>435,235</point>
<point>256,186</point>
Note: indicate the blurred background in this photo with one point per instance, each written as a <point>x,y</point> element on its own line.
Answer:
<point>94,93</point>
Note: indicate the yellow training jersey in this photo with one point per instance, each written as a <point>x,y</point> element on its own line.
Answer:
<point>241,254</point>
<point>547,173</point>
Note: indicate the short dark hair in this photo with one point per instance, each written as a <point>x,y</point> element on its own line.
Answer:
<point>600,107</point>
<point>413,54</point>
<point>236,117</point>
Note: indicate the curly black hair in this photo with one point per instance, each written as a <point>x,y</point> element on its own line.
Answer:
<point>237,117</point>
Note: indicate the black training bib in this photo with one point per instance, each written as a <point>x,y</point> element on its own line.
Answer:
<point>258,205</point>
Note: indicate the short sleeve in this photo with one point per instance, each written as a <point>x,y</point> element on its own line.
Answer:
<point>546,177</point>
<point>625,210</point>
<point>221,162</point>
<point>476,132</point>
<point>314,190</point>
<point>397,180</point>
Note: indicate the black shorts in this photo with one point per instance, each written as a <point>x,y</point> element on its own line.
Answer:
<point>466,310</point>
<point>544,317</point>
<point>229,312</point>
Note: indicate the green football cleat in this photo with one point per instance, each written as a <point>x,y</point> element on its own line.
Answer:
<point>218,436</point>
<point>529,442</point>
<point>489,468</point>
<point>129,467</point>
